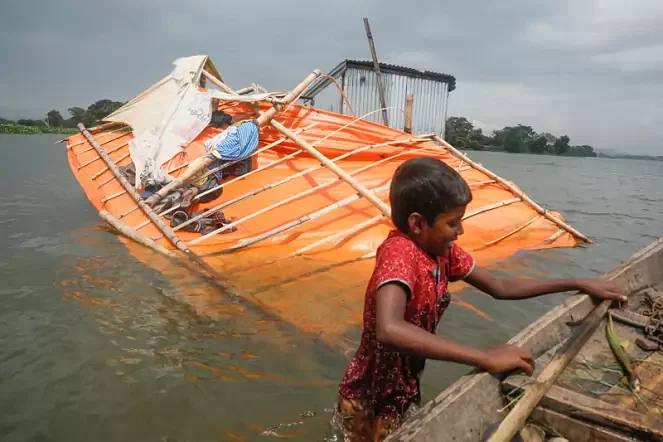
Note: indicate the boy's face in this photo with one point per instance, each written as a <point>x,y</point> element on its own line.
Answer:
<point>436,239</point>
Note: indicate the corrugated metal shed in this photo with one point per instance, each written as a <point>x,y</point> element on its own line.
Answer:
<point>358,80</point>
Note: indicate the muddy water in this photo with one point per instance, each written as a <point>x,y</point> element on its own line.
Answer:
<point>95,345</point>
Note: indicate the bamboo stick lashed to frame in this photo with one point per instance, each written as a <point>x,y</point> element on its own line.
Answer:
<point>341,235</point>
<point>98,158</point>
<point>488,207</point>
<point>554,236</point>
<point>107,168</point>
<point>511,233</point>
<point>513,189</point>
<point>134,235</point>
<point>101,135</point>
<point>360,188</point>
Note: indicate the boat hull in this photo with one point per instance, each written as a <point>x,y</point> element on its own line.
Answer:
<point>482,393</point>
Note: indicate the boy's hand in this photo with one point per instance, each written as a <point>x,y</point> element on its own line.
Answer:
<point>507,357</point>
<point>603,289</point>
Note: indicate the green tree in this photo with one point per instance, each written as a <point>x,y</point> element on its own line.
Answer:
<point>582,151</point>
<point>80,115</point>
<point>513,142</point>
<point>102,108</point>
<point>462,134</point>
<point>31,122</point>
<point>458,131</point>
<point>477,140</point>
<point>537,145</point>
<point>513,138</point>
<point>54,118</point>
<point>562,145</point>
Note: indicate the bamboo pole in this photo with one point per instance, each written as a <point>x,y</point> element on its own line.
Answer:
<point>511,233</point>
<point>343,234</point>
<point>376,64</point>
<point>113,196</point>
<point>513,189</point>
<point>518,415</point>
<point>108,125</point>
<point>203,162</point>
<point>496,205</point>
<point>310,217</point>
<point>98,158</point>
<point>91,148</point>
<point>107,168</point>
<point>481,183</point>
<point>554,236</point>
<point>360,188</point>
<point>132,234</point>
<point>408,114</point>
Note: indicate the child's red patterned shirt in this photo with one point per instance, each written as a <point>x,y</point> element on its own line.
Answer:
<point>390,379</point>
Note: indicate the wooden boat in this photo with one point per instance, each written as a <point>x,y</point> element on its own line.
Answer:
<point>585,403</point>
<point>310,213</point>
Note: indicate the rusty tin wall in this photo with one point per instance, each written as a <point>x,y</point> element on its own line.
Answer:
<point>429,108</point>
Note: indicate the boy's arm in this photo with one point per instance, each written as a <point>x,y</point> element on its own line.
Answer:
<point>521,288</point>
<point>393,331</point>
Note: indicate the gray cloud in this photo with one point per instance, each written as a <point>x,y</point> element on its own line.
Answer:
<point>590,69</point>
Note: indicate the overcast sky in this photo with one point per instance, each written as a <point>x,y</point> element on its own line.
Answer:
<point>589,69</point>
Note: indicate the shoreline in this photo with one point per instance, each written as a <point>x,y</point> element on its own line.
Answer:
<point>17,129</point>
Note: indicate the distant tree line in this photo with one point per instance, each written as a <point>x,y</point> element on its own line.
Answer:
<point>54,120</point>
<point>462,134</point>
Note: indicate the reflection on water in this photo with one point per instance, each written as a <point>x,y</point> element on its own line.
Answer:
<point>92,342</point>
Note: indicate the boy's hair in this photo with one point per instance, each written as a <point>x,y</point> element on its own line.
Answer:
<point>427,186</point>
<point>220,118</point>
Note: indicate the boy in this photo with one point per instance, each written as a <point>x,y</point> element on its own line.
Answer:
<point>407,295</point>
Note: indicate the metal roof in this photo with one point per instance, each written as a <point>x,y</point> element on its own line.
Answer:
<point>321,83</point>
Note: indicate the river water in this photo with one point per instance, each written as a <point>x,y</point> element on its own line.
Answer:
<point>93,346</point>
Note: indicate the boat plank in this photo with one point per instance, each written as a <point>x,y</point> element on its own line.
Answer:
<point>650,373</point>
<point>580,406</point>
<point>576,430</point>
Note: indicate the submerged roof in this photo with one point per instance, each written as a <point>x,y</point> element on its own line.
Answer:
<point>322,82</point>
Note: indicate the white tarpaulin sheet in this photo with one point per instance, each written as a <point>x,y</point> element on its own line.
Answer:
<point>169,115</point>
<point>188,113</point>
